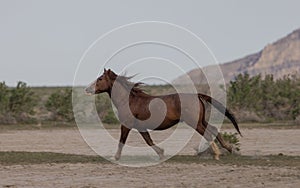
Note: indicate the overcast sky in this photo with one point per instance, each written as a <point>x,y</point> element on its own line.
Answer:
<point>41,42</point>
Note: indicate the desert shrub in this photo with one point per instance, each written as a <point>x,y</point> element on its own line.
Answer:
<point>270,99</point>
<point>110,118</point>
<point>22,99</point>
<point>233,139</point>
<point>104,109</point>
<point>103,104</point>
<point>17,104</point>
<point>4,97</point>
<point>5,116</point>
<point>60,104</point>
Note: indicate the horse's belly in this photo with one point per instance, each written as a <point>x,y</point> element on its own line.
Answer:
<point>166,124</point>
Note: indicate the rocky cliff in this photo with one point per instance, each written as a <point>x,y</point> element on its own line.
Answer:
<point>279,58</point>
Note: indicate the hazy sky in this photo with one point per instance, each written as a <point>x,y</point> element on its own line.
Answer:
<point>41,42</point>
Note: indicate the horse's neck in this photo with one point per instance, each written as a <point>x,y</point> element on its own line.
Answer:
<point>119,95</point>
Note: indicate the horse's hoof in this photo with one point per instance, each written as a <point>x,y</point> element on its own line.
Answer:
<point>230,149</point>
<point>117,157</point>
<point>161,154</point>
<point>162,157</point>
<point>217,157</point>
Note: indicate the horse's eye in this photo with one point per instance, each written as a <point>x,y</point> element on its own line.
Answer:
<point>99,79</point>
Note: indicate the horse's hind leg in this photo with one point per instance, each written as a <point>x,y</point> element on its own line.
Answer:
<point>147,138</point>
<point>219,137</point>
<point>206,131</point>
<point>209,137</point>
<point>223,143</point>
<point>124,134</point>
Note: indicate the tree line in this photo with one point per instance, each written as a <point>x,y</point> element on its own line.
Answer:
<point>257,98</point>
<point>265,99</point>
<point>22,105</point>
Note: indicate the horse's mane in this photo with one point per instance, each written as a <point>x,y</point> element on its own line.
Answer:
<point>133,88</point>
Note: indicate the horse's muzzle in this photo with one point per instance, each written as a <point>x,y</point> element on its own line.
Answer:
<point>89,91</point>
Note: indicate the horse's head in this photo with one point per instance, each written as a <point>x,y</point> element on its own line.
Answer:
<point>103,83</point>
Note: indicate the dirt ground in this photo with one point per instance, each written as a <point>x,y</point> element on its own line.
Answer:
<point>255,142</point>
<point>163,175</point>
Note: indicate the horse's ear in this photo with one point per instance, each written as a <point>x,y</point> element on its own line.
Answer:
<point>108,72</point>
<point>104,69</point>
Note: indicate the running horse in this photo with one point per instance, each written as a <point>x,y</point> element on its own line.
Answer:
<point>134,111</point>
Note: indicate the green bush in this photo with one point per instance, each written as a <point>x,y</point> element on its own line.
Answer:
<point>104,109</point>
<point>233,139</point>
<point>4,98</point>
<point>268,98</point>
<point>60,104</point>
<point>17,104</point>
<point>22,99</point>
<point>110,118</point>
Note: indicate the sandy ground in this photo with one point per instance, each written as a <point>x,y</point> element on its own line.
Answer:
<point>164,175</point>
<point>254,142</point>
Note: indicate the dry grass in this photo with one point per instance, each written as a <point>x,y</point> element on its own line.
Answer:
<point>13,158</point>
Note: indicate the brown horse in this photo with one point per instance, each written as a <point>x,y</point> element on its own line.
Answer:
<point>139,110</point>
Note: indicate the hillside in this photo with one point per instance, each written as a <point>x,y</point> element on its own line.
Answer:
<point>279,58</point>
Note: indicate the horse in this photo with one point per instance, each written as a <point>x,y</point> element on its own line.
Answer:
<point>134,111</point>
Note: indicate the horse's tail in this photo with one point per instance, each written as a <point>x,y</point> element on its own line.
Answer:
<point>221,108</point>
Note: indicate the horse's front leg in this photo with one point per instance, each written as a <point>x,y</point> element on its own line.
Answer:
<point>149,141</point>
<point>124,134</point>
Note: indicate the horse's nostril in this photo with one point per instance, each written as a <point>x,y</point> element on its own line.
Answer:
<point>87,90</point>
